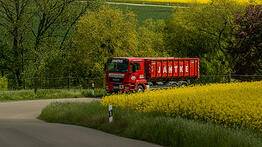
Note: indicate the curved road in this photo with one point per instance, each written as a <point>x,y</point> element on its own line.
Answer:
<point>20,128</point>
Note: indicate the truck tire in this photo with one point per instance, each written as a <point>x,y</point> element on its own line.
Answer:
<point>183,84</point>
<point>173,84</point>
<point>140,88</point>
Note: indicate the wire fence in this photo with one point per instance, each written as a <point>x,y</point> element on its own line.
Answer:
<point>56,83</point>
<point>227,78</point>
<point>86,83</point>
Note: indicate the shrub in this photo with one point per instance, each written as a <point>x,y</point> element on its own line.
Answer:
<point>3,83</point>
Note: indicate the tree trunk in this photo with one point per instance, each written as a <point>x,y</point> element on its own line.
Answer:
<point>36,83</point>
<point>19,79</point>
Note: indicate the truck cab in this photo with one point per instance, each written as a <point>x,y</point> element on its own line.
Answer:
<point>125,74</point>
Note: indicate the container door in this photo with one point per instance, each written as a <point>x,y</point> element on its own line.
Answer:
<point>175,69</point>
<point>159,69</point>
<point>170,68</point>
<point>186,68</point>
<point>196,68</point>
<point>164,67</point>
<point>192,65</point>
<point>153,69</point>
<point>181,68</point>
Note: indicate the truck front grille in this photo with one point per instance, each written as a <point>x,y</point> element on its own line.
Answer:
<point>113,79</point>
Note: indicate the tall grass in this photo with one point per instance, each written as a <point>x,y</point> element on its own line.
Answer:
<point>153,127</point>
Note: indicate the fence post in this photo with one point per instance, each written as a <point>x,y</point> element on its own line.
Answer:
<point>36,84</point>
<point>68,82</point>
<point>93,89</point>
<point>110,113</point>
<point>24,83</point>
<point>229,77</point>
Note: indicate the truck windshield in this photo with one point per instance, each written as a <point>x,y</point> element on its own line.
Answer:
<point>117,65</point>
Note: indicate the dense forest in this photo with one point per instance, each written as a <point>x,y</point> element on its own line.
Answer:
<point>45,42</point>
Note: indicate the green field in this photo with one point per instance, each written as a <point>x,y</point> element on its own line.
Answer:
<point>145,12</point>
<point>151,3</point>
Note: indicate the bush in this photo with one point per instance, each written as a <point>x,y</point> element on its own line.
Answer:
<point>3,83</point>
<point>97,93</point>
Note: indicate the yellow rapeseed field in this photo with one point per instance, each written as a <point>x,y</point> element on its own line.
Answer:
<point>234,104</point>
<point>195,1</point>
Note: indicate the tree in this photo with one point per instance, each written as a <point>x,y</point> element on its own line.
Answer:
<point>52,23</point>
<point>36,33</point>
<point>111,33</point>
<point>102,34</point>
<point>202,31</point>
<point>13,22</point>
<point>152,38</point>
<point>246,45</point>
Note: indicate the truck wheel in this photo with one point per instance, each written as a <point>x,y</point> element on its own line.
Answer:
<point>173,84</point>
<point>183,84</point>
<point>140,88</point>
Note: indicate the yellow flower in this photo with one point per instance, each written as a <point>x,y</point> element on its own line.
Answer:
<point>234,104</point>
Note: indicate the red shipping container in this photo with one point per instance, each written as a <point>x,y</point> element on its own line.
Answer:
<point>163,68</point>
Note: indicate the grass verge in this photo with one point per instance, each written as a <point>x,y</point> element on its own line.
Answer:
<point>49,94</point>
<point>152,127</point>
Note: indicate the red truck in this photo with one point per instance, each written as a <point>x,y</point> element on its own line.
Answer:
<point>125,74</point>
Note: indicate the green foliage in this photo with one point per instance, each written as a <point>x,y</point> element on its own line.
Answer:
<point>14,20</point>
<point>106,33</point>
<point>102,34</point>
<point>152,38</point>
<point>35,37</point>
<point>111,33</point>
<point>152,127</point>
<point>3,83</point>
<point>246,43</point>
<point>202,31</point>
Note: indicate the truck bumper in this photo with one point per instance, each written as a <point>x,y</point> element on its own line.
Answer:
<point>127,87</point>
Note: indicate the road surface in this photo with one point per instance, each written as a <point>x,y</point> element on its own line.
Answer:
<point>20,128</point>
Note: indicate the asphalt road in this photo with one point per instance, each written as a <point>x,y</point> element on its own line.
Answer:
<point>20,128</point>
